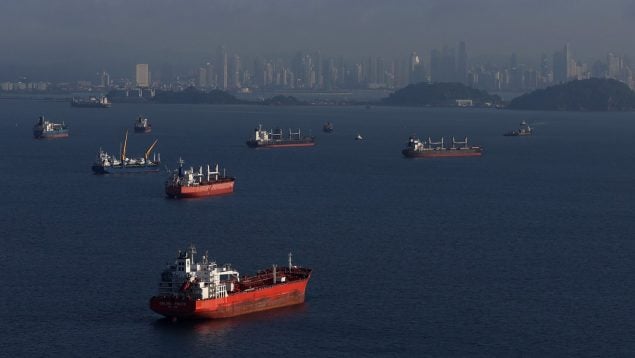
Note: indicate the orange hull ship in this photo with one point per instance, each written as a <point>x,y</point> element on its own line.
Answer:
<point>190,289</point>
<point>191,184</point>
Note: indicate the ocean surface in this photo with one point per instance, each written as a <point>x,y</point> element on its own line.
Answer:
<point>526,251</point>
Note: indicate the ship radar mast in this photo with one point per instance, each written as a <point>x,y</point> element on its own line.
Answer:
<point>192,250</point>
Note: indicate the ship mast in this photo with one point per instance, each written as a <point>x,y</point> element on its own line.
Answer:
<point>123,149</point>
<point>149,150</point>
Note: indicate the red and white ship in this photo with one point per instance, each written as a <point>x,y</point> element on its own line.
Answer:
<point>203,289</point>
<point>187,183</point>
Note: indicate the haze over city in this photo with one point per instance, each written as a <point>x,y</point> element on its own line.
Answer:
<point>78,37</point>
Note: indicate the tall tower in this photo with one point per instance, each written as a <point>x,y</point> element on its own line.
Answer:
<point>235,81</point>
<point>143,75</point>
<point>222,68</point>
<point>414,63</point>
<point>461,63</point>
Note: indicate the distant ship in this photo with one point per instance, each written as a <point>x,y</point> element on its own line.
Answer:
<point>142,125</point>
<point>106,163</point>
<point>44,129</point>
<point>91,102</point>
<point>274,139</point>
<point>523,130</point>
<point>191,289</point>
<point>430,149</point>
<point>328,127</point>
<point>187,183</point>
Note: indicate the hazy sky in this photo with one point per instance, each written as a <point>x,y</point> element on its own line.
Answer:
<point>87,32</point>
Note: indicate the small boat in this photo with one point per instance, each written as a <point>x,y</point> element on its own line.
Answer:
<point>91,102</point>
<point>523,130</point>
<point>359,137</point>
<point>44,129</point>
<point>328,127</point>
<point>142,125</point>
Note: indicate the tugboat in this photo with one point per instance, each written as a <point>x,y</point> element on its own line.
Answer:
<point>106,163</point>
<point>328,127</point>
<point>91,102</point>
<point>44,129</point>
<point>524,130</point>
<point>191,289</point>
<point>142,125</point>
<point>430,149</point>
<point>191,184</point>
<point>274,139</point>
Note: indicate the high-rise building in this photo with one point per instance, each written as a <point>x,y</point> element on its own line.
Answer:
<point>202,77</point>
<point>223,69</point>
<point>563,65</point>
<point>613,63</point>
<point>436,70</point>
<point>104,79</point>
<point>143,75</point>
<point>461,63</point>
<point>235,79</point>
<point>413,67</point>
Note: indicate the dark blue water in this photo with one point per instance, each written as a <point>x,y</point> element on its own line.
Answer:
<point>527,250</point>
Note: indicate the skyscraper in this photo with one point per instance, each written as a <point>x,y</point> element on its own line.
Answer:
<point>235,80</point>
<point>143,75</point>
<point>222,68</point>
<point>461,63</point>
<point>564,66</point>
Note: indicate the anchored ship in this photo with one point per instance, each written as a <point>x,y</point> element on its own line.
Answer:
<point>142,125</point>
<point>523,130</point>
<point>203,289</point>
<point>106,163</point>
<point>430,149</point>
<point>328,127</point>
<point>274,139</point>
<point>91,102</point>
<point>191,184</point>
<point>44,129</point>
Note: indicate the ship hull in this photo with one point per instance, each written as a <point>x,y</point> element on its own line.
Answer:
<point>90,105</point>
<point>266,298</point>
<point>128,169</point>
<point>200,191</point>
<point>281,144</point>
<point>441,153</point>
<point>40,135</point>
<point>143,130</point>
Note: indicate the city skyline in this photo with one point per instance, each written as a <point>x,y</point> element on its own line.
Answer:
<point>115,33</point>
<point>311,70</point>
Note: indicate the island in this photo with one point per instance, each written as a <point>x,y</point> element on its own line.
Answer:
<point>442,94</point>
<point>595,94</point>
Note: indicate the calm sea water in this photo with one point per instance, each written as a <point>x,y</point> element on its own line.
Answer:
<point>527,250</point>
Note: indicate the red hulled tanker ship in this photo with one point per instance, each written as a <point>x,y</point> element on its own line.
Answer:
<point>187,183</point>
<point>203,289</point>
<point>274,139</point>
<point>430,149</point>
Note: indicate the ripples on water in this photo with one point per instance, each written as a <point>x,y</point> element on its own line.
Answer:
<point>526,250</point>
